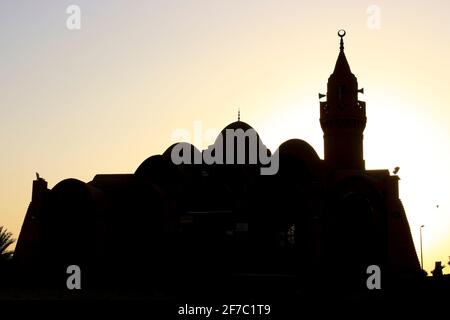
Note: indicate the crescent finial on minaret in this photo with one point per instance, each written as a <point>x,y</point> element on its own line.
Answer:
<point>341,34</point>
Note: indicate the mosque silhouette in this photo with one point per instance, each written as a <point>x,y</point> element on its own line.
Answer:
<point>191,223</point>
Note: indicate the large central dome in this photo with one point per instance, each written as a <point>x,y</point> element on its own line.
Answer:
<point>237,125</point>
<point>245,139</point>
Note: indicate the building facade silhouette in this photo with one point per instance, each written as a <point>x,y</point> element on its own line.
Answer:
<point>314,218</point>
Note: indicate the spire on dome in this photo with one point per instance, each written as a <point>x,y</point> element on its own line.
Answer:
<point>239,114</point>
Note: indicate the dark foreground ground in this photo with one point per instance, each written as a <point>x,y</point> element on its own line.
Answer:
<point>264,297</point>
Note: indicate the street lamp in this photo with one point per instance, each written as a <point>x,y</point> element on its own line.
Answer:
<point>421,251</point>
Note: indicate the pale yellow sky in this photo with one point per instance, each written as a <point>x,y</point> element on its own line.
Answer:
<point>103,98</point>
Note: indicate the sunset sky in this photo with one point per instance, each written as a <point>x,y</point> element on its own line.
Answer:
<point>101,99</point>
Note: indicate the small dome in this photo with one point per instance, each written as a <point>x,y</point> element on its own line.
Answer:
<point>297,156</point>
<point>72,198</point>
<point>183,146</point>
<point>299,148</point>
<point>74,190</point>
<point>158,168</point>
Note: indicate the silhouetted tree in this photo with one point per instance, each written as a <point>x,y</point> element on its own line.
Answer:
<point>6,240</point>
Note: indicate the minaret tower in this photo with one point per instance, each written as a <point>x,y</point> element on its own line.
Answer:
<point>343,117</point>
